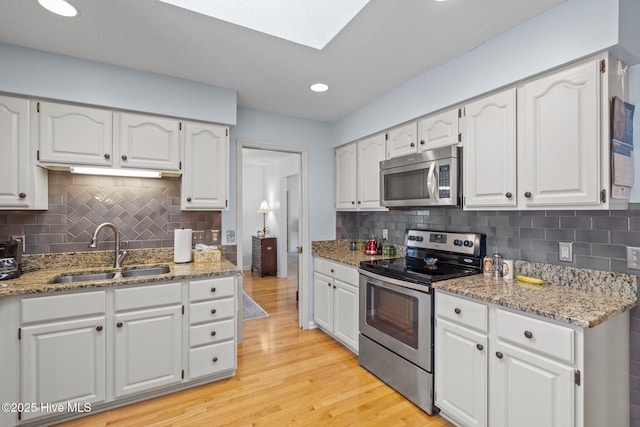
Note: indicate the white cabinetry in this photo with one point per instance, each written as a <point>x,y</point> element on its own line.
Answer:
<point>212,345</point>
<point>63,350</point>
<point>540,372</point>
<point>402,140</point>
<point>438,130</point>
<point>148,338</point>
<point>336,300</point>
<point>205,184</point>
<point>490,152</point>
<point>22,184</point>
<point>358,174</point>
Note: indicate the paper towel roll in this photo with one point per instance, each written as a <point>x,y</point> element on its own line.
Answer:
<point>182,245</point>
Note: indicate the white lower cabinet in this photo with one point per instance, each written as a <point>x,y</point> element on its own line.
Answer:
<point>497,367</point>
<point>335,290</point>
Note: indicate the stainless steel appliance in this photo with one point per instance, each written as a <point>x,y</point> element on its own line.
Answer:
<point>429,178</point>
<point>10,259</point>
<point>396,308</point>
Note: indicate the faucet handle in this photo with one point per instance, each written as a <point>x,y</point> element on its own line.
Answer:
<point>125,246</point>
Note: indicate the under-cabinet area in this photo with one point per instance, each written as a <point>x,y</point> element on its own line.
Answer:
<point>499,367</point>
<point>104,347</point>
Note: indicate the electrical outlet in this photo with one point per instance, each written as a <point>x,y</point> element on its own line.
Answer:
<point>633,258</point>
<point>385,234</point>
<point>22,239</point>
<point>565,251</point>
<point>197,237</point>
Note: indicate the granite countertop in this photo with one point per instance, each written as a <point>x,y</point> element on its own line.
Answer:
<point>580,297</point>
<point>40,270</point>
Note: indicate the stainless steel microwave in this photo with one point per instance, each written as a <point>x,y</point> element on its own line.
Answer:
<point>430,178</point>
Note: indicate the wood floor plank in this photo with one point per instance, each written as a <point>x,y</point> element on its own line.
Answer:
<point>286,376</point>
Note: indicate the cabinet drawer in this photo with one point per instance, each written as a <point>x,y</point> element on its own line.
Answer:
<point>211,310</point>
<point>338,271</point>
<point>543,337</point>
<point>212,288</point>
<point>148,296</point>
<point>62,306</point>
<point>462,311</point>
<point>211,333</point>
<point>212,359</point>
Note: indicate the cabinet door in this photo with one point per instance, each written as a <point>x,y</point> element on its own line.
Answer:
<point>322,301</point>
<point>205,180</point>
<point>346,177</point>
<point>438,130</point>
<point>63,362</point>
<point>530,390</point>
<point>148,349</point>
<point>559,153</point>
<point>370,154</point>
<point>345,311</point>
<point>461,373</point>
<point>148,142</point>
<point>72,135</point>
<point>490,152</point>
<point>402,140</point>
<point>14,162</point>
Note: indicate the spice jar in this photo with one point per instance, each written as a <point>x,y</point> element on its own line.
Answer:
<point>497,265</point>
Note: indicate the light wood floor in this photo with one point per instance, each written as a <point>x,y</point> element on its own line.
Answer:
<point>286,376</point>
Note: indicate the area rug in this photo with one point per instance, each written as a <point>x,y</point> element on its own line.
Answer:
<point>251,309</point>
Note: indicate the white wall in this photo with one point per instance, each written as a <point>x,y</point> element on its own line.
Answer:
<point>47,75</point>
<point>252,196</point>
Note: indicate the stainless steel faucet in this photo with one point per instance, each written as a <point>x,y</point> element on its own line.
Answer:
<point>119,254</point>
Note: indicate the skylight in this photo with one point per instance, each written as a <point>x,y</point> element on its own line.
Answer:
<point>312,23</point>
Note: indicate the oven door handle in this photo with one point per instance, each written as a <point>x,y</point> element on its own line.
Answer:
<point>405,284</point>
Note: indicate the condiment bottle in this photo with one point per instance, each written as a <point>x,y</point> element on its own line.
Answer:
<point>497,265</point>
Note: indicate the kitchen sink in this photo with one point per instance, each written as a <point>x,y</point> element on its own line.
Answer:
<point>134,272</point>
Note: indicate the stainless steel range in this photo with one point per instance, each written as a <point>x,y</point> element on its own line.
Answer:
<point>396,308</point>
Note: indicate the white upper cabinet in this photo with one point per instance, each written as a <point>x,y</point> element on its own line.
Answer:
<point>147,142</point>
<point>22,184</point>
<point>346,177</point>
<point>205,183</point>
<point>402,140</point>
<point>438,130</point>
<point>490,151</point>
<point>559,153</point>
<point>71,134</point>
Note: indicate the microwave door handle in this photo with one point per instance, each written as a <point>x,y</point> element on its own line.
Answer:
<point>432,181</point>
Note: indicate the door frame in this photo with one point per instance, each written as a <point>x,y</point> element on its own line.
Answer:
<point>305,245</point>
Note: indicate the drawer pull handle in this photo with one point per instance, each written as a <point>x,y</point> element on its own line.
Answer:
<point>528,334</point>
<point>499,355</point>
<point>214,360</point>
<point>213,333</point>
<point>457,311</point>
<point>213,290</point>
<point>480,347</point>
<point>99,328</point>
<point>119,324</point>
<point>213,311</point>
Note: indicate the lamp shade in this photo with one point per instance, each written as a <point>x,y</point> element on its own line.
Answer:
<point>264,207</point>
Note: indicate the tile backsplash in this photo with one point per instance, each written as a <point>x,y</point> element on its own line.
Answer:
<point>146,211</point>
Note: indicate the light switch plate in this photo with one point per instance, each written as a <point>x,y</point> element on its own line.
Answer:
<point>633,258</point>
<point>565,251</point>
<point>385,234</point>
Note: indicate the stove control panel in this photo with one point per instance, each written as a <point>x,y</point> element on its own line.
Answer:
<point>459,243</point>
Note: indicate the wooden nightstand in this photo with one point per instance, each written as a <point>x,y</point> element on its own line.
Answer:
<point>264,255</point>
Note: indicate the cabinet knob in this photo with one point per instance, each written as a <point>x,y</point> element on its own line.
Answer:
<point>508,195</point>
<point>457,310</point>
<point>269,248</point>
<point>332,270</point>
<point>499,355</point>
<point>107,155</point>
<point>422,142</point>
<point>188,199</point>
<point>527,194</point>
<point>412,145</point>
<point>213,311</point>
<point>528,334</point>
<point>359,202</point>
<point>99,328</point>
<point>213,290</point>
<point>329,284</point>
<point>353,202</point>
<point>119,324</point>
<point>480,347</point>
<point>124,157</point>
<point>334,286</point>
<point>213,333</point>
<point>22,195</point>
<point>214,360</point>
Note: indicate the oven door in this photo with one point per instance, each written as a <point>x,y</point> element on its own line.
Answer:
<point>397,317</point>
<point>409,185</point>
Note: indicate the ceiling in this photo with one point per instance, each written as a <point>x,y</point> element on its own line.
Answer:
<point>388,43</point>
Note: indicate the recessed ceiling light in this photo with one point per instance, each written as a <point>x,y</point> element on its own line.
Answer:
<point>319,87</point>
<point>59,7</point>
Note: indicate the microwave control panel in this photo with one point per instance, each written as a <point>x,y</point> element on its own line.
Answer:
<point>444,182</point>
